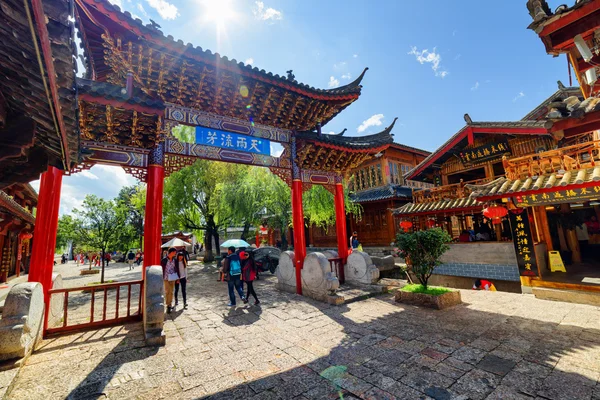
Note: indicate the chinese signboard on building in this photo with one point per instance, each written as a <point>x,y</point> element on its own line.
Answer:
<point>484,153</point>
<point>559,196</point>
<point>519,225</point>
<point>232,141</point>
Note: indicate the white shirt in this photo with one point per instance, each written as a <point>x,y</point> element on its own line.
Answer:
<point>582,232</point>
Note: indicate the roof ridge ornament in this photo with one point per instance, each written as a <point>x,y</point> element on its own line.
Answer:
<point>468,119</point>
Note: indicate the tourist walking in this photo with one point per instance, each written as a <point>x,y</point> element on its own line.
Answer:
<point>232,271</point>
<point>249,274</point>
<point>182,263</point>
<point>170,269</point>
<point>130,259</point>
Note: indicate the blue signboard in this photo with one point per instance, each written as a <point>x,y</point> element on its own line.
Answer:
<point>232,141</point>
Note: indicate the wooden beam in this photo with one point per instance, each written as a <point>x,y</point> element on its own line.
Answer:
<point>569,18</point>
<point>572,123</point>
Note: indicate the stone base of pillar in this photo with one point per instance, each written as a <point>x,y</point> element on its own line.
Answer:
<point>57,302</point>
<point>22,322</point>
<point>154,306</point>
<point>286,272</point>
<point>360,269</point>
<point>318,282</point>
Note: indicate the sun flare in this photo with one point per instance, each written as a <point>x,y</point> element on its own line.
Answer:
<point>220,12</point>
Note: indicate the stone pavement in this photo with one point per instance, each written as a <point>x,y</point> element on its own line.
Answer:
<point>495,346</point>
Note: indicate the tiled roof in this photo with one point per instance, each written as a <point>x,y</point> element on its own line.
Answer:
<point>114,92</point>
<point>437,207</point>
<point>572,107</point>
<point>541,13</point>
<point>352,142</point>
<point>410,148</point>
<point>153,31</point>
<point>504,186</point>
<point>9,204</point>
<point>389,191</point>
<point>443,150</point>
<point>562,93</point>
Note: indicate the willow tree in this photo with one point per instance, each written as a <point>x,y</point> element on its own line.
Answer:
<point>319,206</point>
<point>192,200</point>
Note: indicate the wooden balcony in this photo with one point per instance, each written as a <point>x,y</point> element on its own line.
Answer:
<point>447,192</point>
<point>571,158</point>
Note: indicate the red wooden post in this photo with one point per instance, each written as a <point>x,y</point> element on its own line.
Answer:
<point>46,225</point>
<point>340,226</point>
<point>299,237</point>
<point>153,217</point>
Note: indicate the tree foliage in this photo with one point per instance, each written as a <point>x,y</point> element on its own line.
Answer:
<point>99,224</point>
<point>133,200</point>
<point>319,206</point>
<point>423,250</point>
<point>66,232</point>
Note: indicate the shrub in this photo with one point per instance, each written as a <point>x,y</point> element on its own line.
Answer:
<point>435,291</point>
<point>422,251</point>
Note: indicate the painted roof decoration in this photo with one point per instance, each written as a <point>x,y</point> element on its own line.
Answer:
<point>7,203</point>
<point>117,93</point>
<point>502,187</point>
<point>41,106</point>
<point>389,191</point>
<point>449,207</point>
<point>192,77</point>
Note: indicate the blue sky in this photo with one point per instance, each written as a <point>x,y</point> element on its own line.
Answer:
<point>430,62</point>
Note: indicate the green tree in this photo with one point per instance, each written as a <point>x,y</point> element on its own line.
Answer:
<point>66,232</point>
<point>319,206</point>
<point>133,200</point>
<point>99,224</point>
<point>192,200</point>
<point>422,251</point>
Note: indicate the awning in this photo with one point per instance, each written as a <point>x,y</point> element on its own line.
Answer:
<point>570,186</point>
<point>449,207</point>
<point>390,191</point>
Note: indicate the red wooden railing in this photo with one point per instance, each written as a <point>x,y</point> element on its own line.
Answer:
<point>337,267</point>
<point>106,320</point>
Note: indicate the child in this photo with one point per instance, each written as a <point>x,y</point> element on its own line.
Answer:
<point>482,284</point>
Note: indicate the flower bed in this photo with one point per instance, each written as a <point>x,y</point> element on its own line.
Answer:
<point>432,297</point>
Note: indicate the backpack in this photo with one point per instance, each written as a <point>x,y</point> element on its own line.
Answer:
<point>234,267</point>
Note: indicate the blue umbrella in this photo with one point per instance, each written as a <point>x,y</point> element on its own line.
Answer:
<point>237,243</point>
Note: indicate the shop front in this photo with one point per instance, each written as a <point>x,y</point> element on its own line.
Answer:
<point>559,193</point>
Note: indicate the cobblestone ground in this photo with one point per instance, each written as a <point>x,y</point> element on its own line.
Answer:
<point>495,346</point>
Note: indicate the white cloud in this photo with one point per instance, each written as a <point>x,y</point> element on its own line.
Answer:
<point>347,76</point>
<point>333,82</point>
<point>518,96</point>
<point>140,7</point>
<point>355,55</point>
<point>265,13</point>
<point>165,9</point>
<point>374,120</point>
<point>340,65</point>
<point>249,61</point>
<point>87,174</point>
<point>117,3</point>
<point>276,149</point>
<point>476,86</point>
<point>427,57</point>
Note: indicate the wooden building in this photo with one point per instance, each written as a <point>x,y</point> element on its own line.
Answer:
<point>17,221</point>
<point>378,185</point>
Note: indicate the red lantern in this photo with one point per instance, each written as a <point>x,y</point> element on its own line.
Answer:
<point>495,213</point>
<point>406,225</point>
<point>25,236</point>
<point>430,223</point>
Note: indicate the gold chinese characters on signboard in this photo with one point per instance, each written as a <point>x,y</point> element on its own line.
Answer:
<point>483,153</point>
<point>523,241</point>
<point>558,196</point>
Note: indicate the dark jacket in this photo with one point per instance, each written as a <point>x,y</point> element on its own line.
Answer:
<point>225,267</point>
<point>163,264</point>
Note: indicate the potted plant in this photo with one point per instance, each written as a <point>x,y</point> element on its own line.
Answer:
<point>422,251</point>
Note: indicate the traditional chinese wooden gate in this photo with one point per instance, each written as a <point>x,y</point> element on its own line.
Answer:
<point>142,84</point>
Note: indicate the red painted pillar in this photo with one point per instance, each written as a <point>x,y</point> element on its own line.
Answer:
<point>340,222</point>
<point>154,201</point>
<point>299,237</point>
<point>153,217</point>
<point>46,225</point>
